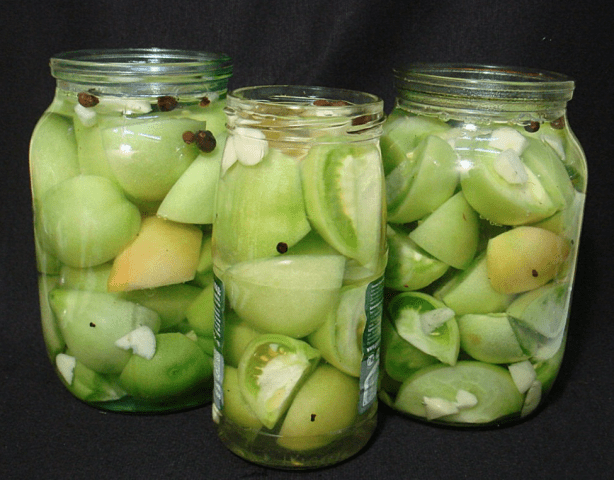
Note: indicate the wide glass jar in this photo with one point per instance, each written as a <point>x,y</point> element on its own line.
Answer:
<point>298,255</point>
<point>485,192</point>
<point>124,165</point>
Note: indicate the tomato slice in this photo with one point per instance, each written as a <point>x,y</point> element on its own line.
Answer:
<point>271,370</point>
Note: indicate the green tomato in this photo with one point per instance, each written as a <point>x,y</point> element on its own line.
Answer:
<point>192,198</point>
<point>53,153</point>
<point>93,279</point>
<point>171,302</point>
<point>91,322</point>
<point>90,386</point>
<point>403,132</point>
<point>147,157</point>
<point>344,188</point>
<point>200,312</point>
<point>237,335</point>
<point>54,342</point>
<point>271,371</point>
<point>422,182</point>
<point>490,338</point>
<point>179,367</point>
<point>86,220</point>
<point>236,409</point>
<point>263,202</point>
<point>290,295</point>
<point>498,200</point>
<point>450,233</point>
<point>339,339</point>
<point>399,357</point>
<point>491,386</point>
<point>409,267</point>
<point>324,407</point>
<point>427,324</point>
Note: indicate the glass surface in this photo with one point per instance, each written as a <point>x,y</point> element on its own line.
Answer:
<point>298,255</point>
<point>485,186</point>
<point>124,165</point>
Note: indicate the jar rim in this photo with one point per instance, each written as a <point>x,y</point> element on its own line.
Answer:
<point>165,65</point>
<point>302,96</point>
<point>490,80</point>
<point>294,111</point>
<point>488,92</point>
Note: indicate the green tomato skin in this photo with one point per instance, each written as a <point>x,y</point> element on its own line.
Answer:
<point>179,367</point>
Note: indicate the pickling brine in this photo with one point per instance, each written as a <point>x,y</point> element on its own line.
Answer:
<point>299,256</point>
<point>124,166</point>
<point>485,193</point>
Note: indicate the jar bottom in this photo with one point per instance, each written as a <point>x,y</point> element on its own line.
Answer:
<point>263,448</point>
<point>131,405</point>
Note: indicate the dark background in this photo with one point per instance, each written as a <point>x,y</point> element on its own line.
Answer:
<point>45,433</point>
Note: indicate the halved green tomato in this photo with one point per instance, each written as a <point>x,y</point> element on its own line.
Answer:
<point>427,324</point>
<point>498,200</point>
<point>344,187</point>
<point>54,341</point>
<point>450,233</point>
<point>271,370</point>
<point>53,153</point>
<point>399,357</point>
<point>171,302</point>
<point>86,220</point>
<point>422,182</point>
<point>236,409</point>
<point>539,319</point>
<point>490,338</point>
<point>93,279</point>
<point>490,386</point>
<point>258,208</point>
<point>323,408</point>
<point>402,133</point>
<point>340,338</point>
<point>88,385</point>
<point>91,322</point>
<point>237,335</point>
<point>192,198</point>
<point>290,295</point>
<point>547,166</point>
<point>470,291</point>
<point>409,267</point>
<point>543,310</point>
<point>147,157</point>
<point>178,367</point>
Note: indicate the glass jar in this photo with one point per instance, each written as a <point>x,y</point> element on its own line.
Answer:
<point>298,255</point>
<point>485,193</point>
<point>124,165</point>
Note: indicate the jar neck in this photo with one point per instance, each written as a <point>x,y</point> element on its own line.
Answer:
<point>305,113</point>
<point>142,72</point>
<point>483,94</point>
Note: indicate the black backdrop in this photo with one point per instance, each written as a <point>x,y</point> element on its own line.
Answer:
<point>45,433</point>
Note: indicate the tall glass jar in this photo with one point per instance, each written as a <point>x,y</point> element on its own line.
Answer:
<point>485,192</point>
<point>124,165</point>
<point>298,253</point>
